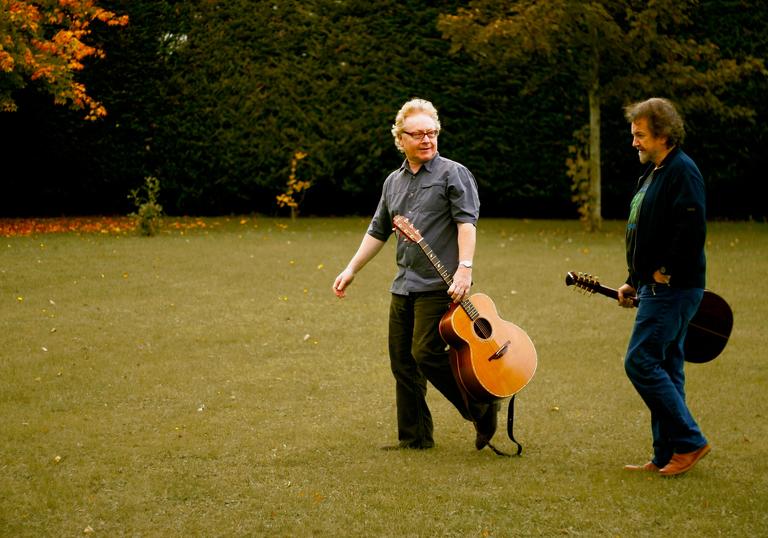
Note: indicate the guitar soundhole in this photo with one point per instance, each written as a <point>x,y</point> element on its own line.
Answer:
<point>482,328</point>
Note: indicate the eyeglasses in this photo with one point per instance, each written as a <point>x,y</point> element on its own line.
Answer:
<point>419,135</point>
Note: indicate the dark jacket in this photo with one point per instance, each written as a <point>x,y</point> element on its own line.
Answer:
<point>671,226</point>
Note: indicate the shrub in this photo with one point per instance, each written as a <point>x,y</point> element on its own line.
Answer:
<point>148,211</point>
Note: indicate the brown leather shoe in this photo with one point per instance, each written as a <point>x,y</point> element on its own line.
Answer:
<point>681,463</point>
<point>650,467</point>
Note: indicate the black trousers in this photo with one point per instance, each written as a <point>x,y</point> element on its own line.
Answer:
<point>418,354</point>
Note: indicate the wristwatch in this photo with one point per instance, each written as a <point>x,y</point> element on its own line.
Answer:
<point>466,263</point>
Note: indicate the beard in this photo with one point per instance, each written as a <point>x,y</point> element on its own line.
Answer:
<point>647,156</point>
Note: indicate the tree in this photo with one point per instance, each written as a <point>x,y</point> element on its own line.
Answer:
<point>612,50</point>
<point>214,98</point>
<point>44,42</point>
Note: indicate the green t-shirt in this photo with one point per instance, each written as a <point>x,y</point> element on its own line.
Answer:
<point>634,214</point>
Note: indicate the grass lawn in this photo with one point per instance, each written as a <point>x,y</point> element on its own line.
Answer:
<point>206,382</point>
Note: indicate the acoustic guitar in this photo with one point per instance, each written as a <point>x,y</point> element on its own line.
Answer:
<point>708,331</point>
<point>491,358</point>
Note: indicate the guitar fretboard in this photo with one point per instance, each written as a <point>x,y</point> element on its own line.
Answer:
<point>466,304</point>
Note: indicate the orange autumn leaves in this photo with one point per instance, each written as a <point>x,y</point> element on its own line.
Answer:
<point>45,43</point>
<point>294,187</point>
<point>24,227</point>
<point>100,225</point>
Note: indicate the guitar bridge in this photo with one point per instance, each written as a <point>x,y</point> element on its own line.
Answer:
<point>500,352</point>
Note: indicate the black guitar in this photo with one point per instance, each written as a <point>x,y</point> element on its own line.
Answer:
<point>708,331</point>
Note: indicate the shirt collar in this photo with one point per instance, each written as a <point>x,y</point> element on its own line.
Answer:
<point>668,157</point>
<point>427,165</point>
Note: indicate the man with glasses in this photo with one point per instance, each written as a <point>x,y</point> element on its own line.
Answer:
<point>439,197</point>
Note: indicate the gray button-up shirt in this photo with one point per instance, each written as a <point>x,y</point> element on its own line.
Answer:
<point>442,194</point>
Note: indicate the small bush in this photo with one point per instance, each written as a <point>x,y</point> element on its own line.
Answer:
<point>148,212</point>
<point>294,187</point>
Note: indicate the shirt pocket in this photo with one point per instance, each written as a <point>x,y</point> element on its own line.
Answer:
<point>432,197</point>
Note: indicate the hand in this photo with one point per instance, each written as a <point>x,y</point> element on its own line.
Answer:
<point>344,279</point>
<point>626,294</point>
<point>661,278</point>
<point>462,281</point>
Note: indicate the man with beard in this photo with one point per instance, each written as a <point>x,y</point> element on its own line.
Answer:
<point>665,239</point>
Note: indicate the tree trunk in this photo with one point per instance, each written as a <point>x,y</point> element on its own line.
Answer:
<point>594,218</point>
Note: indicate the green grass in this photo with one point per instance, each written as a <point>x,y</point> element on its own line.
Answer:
<point>206,382</point>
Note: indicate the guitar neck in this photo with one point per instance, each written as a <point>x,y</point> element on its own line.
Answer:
<point>436,263</point>
<point>590,285</point>
<point>608,292</point>
<point>466,304</point>
<point>612,293</point>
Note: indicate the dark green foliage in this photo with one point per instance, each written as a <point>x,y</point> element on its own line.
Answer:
<point>325,78</point>
<point>214,99</point>
<point>328,82</point>
<point>732,152</point>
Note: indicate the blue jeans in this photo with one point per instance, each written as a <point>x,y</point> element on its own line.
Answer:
<point>655,365</point>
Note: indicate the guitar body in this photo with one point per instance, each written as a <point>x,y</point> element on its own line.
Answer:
<point>709,330</point>
<point>491,358</point>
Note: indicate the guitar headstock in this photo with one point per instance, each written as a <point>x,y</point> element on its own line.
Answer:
<point>405,227</point>
<point>582,281</point>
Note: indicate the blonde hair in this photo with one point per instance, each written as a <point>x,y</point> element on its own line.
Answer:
<point>414,106</point>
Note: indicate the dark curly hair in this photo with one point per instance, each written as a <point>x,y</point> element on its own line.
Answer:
<point>663,119</point>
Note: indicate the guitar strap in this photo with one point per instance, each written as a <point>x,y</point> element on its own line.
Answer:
<point>510,427</point>
<point>511,424</point>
